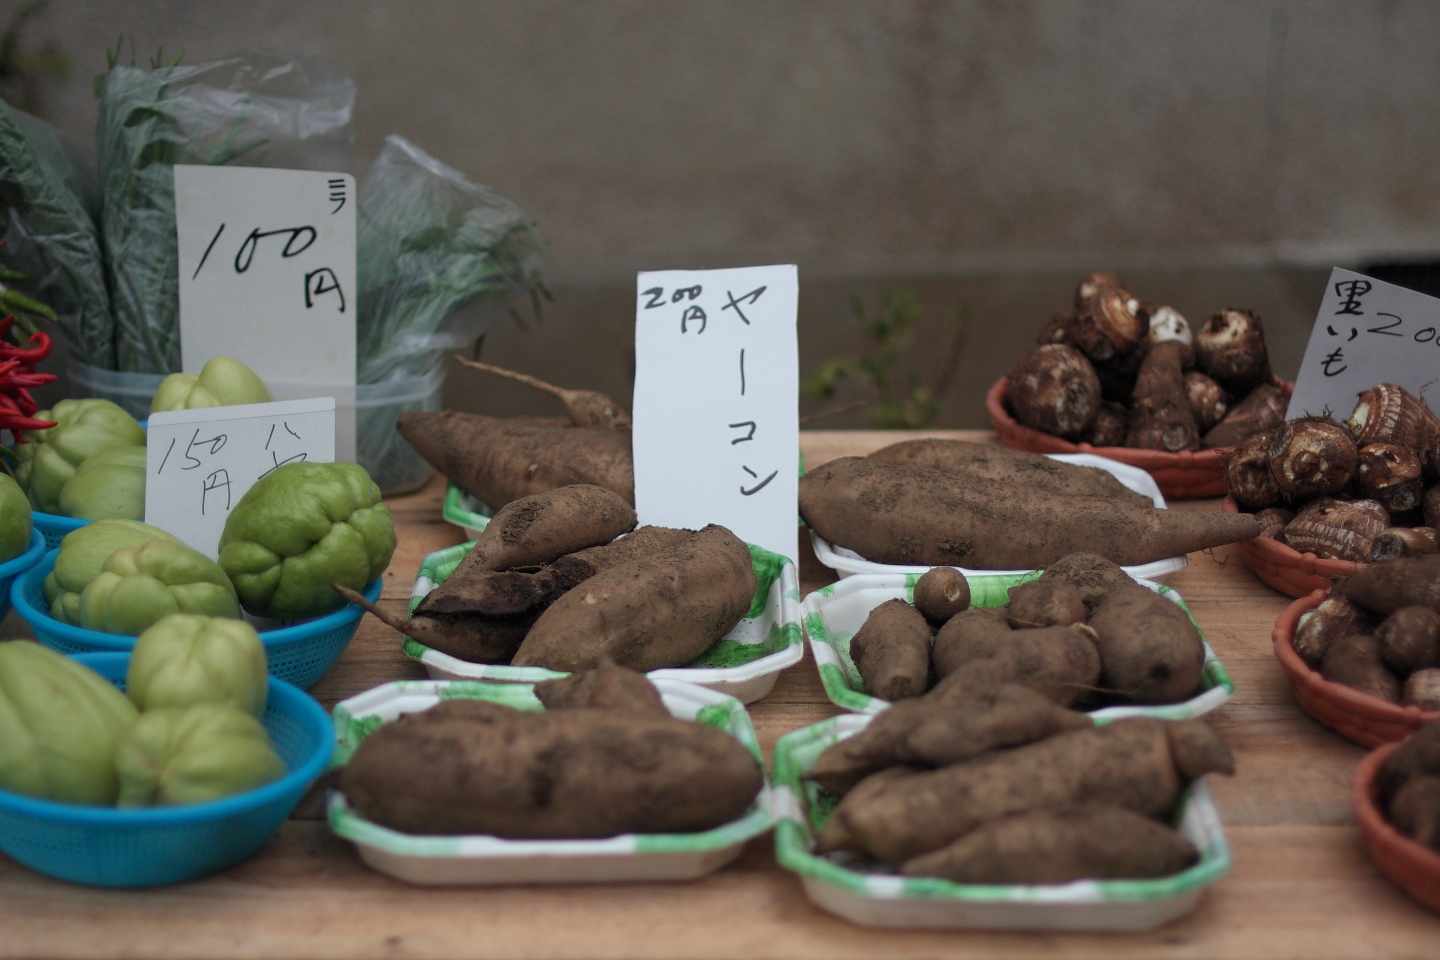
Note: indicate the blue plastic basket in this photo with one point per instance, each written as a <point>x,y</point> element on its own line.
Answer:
<point>15,566</point>
<point>109,847</point>
<point>300,654</point>
<point>54,527</point>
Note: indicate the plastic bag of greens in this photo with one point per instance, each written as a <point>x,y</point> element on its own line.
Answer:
<point>47,220</point>
<point>439,259</point>
<point>259,108</point>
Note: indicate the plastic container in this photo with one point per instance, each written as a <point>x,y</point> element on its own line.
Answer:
<point>466,512</point>
<point>890,900</point>
<point>492,860</point>
<point>1356,716</point>
<point>108,847</point>
<point>1187,475</point>
<point>743,664</point>
<point>15,566</point>
<point>833,614</point>
<point>53,527</point>
<point>1411,866</point>
<point>1286,569</point>
<point>130,391</point>
<point>387,456</point>
<point>849,563</point>
<point>298,654</point>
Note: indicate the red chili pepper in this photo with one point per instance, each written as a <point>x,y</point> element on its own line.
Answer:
<point>41,350</point>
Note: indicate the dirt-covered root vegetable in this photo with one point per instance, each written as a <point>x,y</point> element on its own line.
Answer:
<point>1092,285</point>
<point>892,651</point>
<point>940,593</point>
<point>543,527</point>
<point>478,639</point>
<point>606,687</point>
<point>951,723</point>
<point>1430,507</point>
<point>1118,376</point>
<point>988,461</point>
<point>499,460</point>
<point>912,515</point>
<point>471,767</point>
<point>1060,663</point>
<point>1109,324</point>
<point>1051,603</point>
<point>1417,756</point>
<point>1133,763</point>
<point>1403,542</point>
<point>1093,575</point>
<point>585,407</point>
<point>1054,390</point>
<point>662,610</point>
<point>1150,650</point>
<point>1409,640</point>
<point>1230,349</point>
<point>1247,474</point>
<point>1311,457</point>
<point>1160,415</point>
<point>834,835</point>
<point>1099,841</point>
<point>1415,810</point>
<point>1354,660</point>
<point>1422,689</point>
<point>1167,325</point>
<point>1055,330</point>
<point>1112,422</point>
<point>1208,402</point>
<point>971,634</point>
<point>1261,411</point>
<point>1273,521</point>
<point>1332,619</point>
<point>1390,474</point>
<point>1337,529</point>
<point>1383,588</point>
<point>1387,413</point>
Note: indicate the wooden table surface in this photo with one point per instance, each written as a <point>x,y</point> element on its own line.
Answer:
<point>1301,884</point>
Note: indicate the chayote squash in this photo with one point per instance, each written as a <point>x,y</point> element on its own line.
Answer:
<point>82,557</point>
<point>141,585</point>
<point>49,458</point>
<point>222,382</point>
<point>206,751</point>
<point>185,659</point>
<point>109,484</point>
<point>15,519</point>
<point>300,528</point>
<point>59,725</point>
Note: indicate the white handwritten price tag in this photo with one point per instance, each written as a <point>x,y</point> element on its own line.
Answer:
<point>1367,332</point>
<point>199,463</point>
<point>267,276</point>
<point>716,419</point>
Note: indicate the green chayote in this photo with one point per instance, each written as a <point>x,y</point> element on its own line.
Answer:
<point>82,557</point>
<point>186,659</point>
<point>49,458</point>
<point>206,751</point>
<point>301,528</point>
<point>59,724</point>
<point>15,521</point>
<point>141,585</point>
<point>109,484</point>
<point>222,382</point>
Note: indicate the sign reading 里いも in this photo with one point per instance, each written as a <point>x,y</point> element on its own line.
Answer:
<point>199,463</point>
<point>1367,332</point>
<point>267,276</point>
<point>716,412</point>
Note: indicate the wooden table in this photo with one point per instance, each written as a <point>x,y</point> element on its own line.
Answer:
<point>1301,885</point>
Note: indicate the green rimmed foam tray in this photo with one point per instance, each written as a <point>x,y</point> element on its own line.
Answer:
<point>476,860</point>
<point>833,614</point>
<point>890,900</point>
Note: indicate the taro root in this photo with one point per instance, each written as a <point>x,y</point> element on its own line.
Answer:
<point>1111,423</point>
<point>1247,474</point>
<point>1334,618</point>
<point>1387,413</point>
<point>1049,603</point>
<point>1119,373</point>
<point>1430,506</point>
<point>1403,542</point>
<point>1109,324</point>
<point>1057,330</point>
<point>1422,689</point>
<point>1311,457</point>
<point>1337,529</point>
<point>941,593</point>
<point>1430,459</point>
<point>1090,288</point>
<point>1055,390</point>
<point>1409,639</point>
<point>1167,325</point>
<point>1389,473</point>
<point>1354,660</point>
<point>1273,520</point>
<point>1230,348</point>
<point>1262,410</point>
<point>1415,810</point>
<point>1160,417</point>
<point>1207,401</point>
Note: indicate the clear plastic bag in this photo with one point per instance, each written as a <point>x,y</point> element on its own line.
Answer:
<point>439,259</point>
<point>259,108</point>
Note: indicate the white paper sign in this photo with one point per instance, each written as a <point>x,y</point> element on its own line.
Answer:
<point>199,463</point>
<point>716,418</point>
<point>1367,332</point>
<point>267,276</point>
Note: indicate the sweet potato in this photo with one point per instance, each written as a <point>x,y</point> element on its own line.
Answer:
<point>468,636</point>
<point>1331,620</point>
<point>662,610</point>
<point>1060,663</point>
<point>606,687</point>
<point>499,460</point>
<point>834,835</point>
<point>1091,574</point>
<point>1131,763</point>
<point>940,593</point>
<point>1051,603</point>
<point>1354,660</point>
<point>916,515</point>
<point>471,767</point>
<point>1160,413</point>
<point>1409,640</point>
<point>543,527</point>
<point>1150,651</point>
<point>1098,841</point>
<point>892,651</point>
<point>1263,409</point>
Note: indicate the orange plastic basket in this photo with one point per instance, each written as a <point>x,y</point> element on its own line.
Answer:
<point>1286,569</point>
<point>1358,717</point>
<point>1411,866</point>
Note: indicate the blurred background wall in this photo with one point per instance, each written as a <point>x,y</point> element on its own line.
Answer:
<point>980,155</point>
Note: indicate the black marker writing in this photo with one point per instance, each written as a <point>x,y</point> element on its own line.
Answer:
<point>280,463</point>
<point>167,457</point>
<point>215,443</point>
<point>213,240</point>
<point>748,436</point>
<point>1330,361</point>
<point>1352,291</point>
<point>246,254</point>
<point>218,480</point>
<point>691,314</point>
<point>734,304</point>
<point>759,486</point>
<point>742,372</point>
<point>316,286</point>
<point>337,194</point>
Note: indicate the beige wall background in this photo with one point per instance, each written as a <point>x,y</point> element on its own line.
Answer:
<point>1216,153</point>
